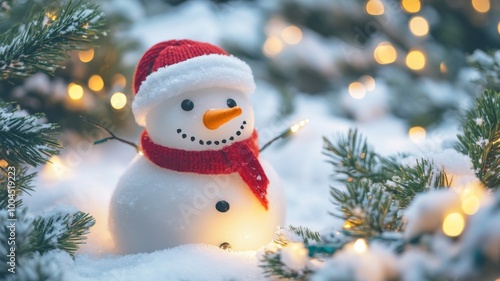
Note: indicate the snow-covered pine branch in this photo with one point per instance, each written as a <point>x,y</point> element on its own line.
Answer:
<point>481,138</point>
<point>42,43</point>
<point>24,138</point>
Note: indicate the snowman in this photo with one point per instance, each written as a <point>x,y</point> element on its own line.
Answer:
<point>199,178</point>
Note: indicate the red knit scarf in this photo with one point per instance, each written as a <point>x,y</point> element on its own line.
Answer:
<point>240,157</point>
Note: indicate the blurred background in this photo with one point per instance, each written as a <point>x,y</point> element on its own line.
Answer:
<point>416,50</point>
<point>400,70</point>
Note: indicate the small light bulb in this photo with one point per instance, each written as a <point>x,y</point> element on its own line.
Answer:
<point>296,127</point>
<point>75,91</point>
<point>357,90</point>
<point>291,35</point>
<point>385,53</point>
<point>118,100</point>
<point>273,46</point>
<point>417,134</point>
<point>360,246</point>
<point>86,56</point>
<point>453,224</point>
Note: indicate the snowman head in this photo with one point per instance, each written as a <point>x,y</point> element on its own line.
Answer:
<point>202,119</point>
<point>193,95</point>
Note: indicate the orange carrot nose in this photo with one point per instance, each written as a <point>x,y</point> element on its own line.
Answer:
<point>214,118</point>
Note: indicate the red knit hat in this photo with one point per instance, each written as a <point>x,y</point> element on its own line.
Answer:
<point>173,67</point>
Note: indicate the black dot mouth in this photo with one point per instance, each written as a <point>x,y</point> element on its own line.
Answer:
<point>212,142</point>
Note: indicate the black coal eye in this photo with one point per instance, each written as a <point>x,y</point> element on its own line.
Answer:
<point>187,105</point>
<point>231,103</point>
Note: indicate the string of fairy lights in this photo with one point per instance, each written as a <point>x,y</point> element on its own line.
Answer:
<point>118,100</point>
<point>280,35</point>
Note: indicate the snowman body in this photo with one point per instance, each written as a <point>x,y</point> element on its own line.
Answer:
<point>155,208</point>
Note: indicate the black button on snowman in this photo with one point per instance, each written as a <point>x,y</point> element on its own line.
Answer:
<point>200,179</point>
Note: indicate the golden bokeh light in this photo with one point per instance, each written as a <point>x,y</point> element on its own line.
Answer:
<point>360,246</point>
<point>291,35</point>
<point>481,6</point>
<point>498,27</point>
<point>418,26</point>
<point>375,7</point>
<point>453,224</point>
<point>415,60</point>
<point>385,53</point>
<point>411,6</point>
<point>272,46</point>
<point>75,91</point>
<point>417,134</point>
<point>86,56</point>
<point>119,80</point>
<point>357,90</point>
<point>470,204</point>
<point>368,82</point>
<point>96,83</point>
<point>3,163</point>
<point>297,126</point>
<point>443,68</point>
<point>347,225</point>
<point>118,100</point>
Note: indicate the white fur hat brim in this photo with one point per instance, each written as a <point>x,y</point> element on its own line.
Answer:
<point>197,73</point>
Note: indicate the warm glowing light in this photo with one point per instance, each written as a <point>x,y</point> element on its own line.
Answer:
<point>471,198</point>
<point>443,68</point>
<point>415,60</point>
<point>385,53</point>
<point>417,134</point>
<point>119,80</point>
<point>470,204</point>
<point>272,46</point>
<point>118,100</point>
<point>51,15</point>
<point>140,152</point>
<point>368,82</point>
<point>498,27</point>
<point>347,225</point>
<point>55,169</point>
<point>86,56</point>
<point>482,6</point>
<point>419,26</point>
<point>75,91</point>
<point>453,224</point>
<point>374,7</point>
<point>291,35</point>
<point>357,90</point>
<point>411,6</point>
<point>96,83</point>
<point>296,127</point>
<point>360,246</point>
<point>3,163</point>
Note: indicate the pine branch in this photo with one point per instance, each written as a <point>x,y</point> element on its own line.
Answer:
<point>367,207</point>
<point>42,43</point>
<point>481,138</point>
<point>352,159</point>
<point>296,234</point>
<point>488,66</point>
<point>408,181</point>
<point>60,231</point>
<point>23,139</point>
<point>272,265</point>
<point>21,183</point>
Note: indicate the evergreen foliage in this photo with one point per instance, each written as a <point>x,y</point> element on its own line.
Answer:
<point>378,189</point>
<point>481,138</point>
<point>42,43</point>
